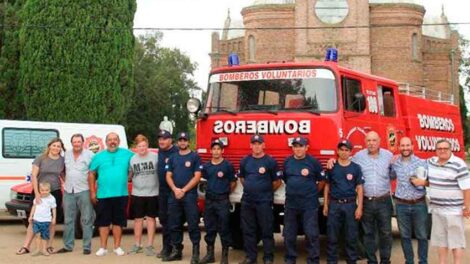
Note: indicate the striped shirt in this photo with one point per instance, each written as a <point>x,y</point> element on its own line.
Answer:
<point>403,170</point>
<point>376,171</point>
<point>446,183</point>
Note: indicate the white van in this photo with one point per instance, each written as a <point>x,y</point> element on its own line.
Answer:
<point>22,141</point>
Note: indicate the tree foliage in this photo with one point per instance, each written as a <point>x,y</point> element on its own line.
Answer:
<point>11,99</point>
<point>163,79</point>
<point>76,59</point>
<point>464,89</point>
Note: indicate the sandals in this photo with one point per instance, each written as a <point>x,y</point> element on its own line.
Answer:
<point>50,250</point>
<point>22,251</point>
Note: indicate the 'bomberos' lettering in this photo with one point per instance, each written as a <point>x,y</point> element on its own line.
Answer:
<point>436,123</point>
<point>262,127</point>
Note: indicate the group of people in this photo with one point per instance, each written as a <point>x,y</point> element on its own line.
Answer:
<point>356,191</point>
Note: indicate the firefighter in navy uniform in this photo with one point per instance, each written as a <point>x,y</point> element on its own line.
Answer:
<point>183,175</point>
<point>343,203</point>
<point>260,177</point>
<point>221,180</point>
<point>165,150</point>
<point>304,178</point>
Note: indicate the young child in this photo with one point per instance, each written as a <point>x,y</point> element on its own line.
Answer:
<point>41,218</point>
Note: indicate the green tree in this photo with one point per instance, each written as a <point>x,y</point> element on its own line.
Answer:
<point>11,101</point>
<point>76,59</point>
<point>464,71</point>
<point>163,80</point>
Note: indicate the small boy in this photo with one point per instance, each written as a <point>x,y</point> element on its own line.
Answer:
<point>41,218</point>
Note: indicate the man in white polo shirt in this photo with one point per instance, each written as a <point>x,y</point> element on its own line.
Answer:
<point>449,191</point>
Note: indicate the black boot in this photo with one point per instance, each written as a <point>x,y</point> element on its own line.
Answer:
<point>209,258</point>
<point>176,254</point>
<point>195,257</point>
<point>164,253</point>
<point>224,259</point>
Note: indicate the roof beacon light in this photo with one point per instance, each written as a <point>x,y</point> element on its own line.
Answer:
<point>331,55</point>
<point>233,59</point>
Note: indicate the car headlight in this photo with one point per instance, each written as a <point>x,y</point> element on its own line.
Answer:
<point>193,105</point>
<point>13,195</point>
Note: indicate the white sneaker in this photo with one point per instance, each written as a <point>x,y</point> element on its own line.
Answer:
<point>101,252</point>
<point>119,251</point>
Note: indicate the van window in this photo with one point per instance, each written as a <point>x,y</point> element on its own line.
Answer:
<point>25,142</point>
<point>351,88</point>
<point>386,101</point>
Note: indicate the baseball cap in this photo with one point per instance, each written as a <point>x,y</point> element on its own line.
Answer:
<point>164,134</point>
<point>217,142</point>
<point>257,138</point>
<point>183,135</point>
<point>346,143</point>
<point>300,140</point>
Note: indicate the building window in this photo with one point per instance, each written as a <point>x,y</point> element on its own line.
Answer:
<point>251,48</point>
<point>25,142</point>
<point>414,47</point>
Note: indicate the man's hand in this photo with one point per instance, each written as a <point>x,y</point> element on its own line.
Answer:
<point>417,181</point>
<point>330,163</point>
<point>325,210</point>
<point>358,214</point>
<point>93,199</point>
<point>179,193</point>
<point>466,212</point>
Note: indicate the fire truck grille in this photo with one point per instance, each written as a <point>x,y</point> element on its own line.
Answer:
<point>24,197</point>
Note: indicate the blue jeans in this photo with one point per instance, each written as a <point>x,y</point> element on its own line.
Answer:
<point>413,217</point>
<point>74,202</point>
<point>342,215</point>
<point>309,219</point>
<point>377,218</point>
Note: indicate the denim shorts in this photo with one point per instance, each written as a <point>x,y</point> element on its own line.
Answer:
<point>42,228</point>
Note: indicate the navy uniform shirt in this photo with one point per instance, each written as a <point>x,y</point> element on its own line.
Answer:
<point>343,180</point>
<point>183,168</point>
<point>258,174</point>
<point>301,177</point>
<point>163,158</point>
<point>218,176</point>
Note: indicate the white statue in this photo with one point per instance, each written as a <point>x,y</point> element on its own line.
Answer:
<point>167,125</point>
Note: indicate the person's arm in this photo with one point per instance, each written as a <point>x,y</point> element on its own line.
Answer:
<point>320,185</point>
<point>130,174</point>
<point>330,163</point>
<point>326,199</point>
<point>193,182</point>
<point>233,185</point>
<point>466,203</point>
<point>54,216</point>
<point>34,181</point>
<point>276,184</point>
<point>360,201</point>
<point>91,185</point>
<point>31,214</point>
<point>179,193</point>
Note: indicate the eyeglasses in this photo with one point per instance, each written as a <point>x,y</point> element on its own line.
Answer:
<point>442,149</point>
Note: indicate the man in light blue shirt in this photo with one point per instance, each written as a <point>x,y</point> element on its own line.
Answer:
<point>77,195</point>
<point>377,211</point>
<point>410,200</point>
<point>111,195</point>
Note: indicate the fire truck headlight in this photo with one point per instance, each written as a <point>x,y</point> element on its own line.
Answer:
<point>193,105</point>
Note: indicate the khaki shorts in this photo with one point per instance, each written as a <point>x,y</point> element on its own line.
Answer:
<point>448,231</point>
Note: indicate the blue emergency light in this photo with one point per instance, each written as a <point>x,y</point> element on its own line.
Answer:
<point>233,59</point>
<point>331,55</point>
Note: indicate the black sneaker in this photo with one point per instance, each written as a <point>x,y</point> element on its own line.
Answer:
<point>86,252</point>
<point>63,250</point>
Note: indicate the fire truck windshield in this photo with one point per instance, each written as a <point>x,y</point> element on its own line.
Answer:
<point>273,90</point>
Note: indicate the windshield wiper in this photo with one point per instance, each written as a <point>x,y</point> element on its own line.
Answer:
<point>227,111</point>
<point>308,108</point>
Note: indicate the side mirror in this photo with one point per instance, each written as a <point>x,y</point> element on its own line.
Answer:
<point>359,102</point>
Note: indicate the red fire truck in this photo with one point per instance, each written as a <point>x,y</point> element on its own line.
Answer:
<point>321,101</point>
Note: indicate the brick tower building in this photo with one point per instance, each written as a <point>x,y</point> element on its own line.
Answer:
<point>389,38</point>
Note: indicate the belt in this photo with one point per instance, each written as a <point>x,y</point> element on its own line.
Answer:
<point>216,197</point>
<point>377,198</point>
<point>344,200</point>
<point>412,201</point>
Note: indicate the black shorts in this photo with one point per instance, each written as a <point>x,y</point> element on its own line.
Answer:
<point>111,211</point>
<point>144,206</point>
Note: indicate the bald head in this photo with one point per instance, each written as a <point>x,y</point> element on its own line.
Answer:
<point>373,142</point>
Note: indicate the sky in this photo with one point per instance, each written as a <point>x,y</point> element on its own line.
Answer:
<point>212,14</point>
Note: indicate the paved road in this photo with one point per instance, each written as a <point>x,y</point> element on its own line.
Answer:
<point>12,235</point>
